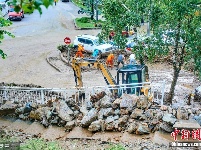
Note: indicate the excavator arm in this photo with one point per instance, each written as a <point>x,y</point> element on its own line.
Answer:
<point>77,64</point>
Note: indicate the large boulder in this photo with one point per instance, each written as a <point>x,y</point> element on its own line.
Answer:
<point>84,110</point>
<point>54,120</point>
<point>182,114</point>
<point>116,111</point>
<point>107,111</point>
<point>8,108</point>
<point>97,97</point>
<point>132,127</point>
<point>128,101</point>
<point>149,113</point>
<point>123,120</point>
<point>142,102</point>
<point>158,115</point>
<point>19,110</point>
<point>71,102</point>
<point>169,118</point>
<point>64,112</point>
<point>95,126</point>
<point>137,113</point>
<point>124,111</point>
<point>166,127</point>
<point>142,129</point>
<point>70,125</point>
<point>106,102</point>
<point>91,116</point>
<point>89,105</point>
<point>109,119</point>
<point>40,113</point>
<point>116,103</point>
<point>110,126</point>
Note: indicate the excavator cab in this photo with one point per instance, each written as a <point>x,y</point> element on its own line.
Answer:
<point>132,76</point>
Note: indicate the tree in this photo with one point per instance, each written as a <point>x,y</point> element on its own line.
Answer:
<point>175,26</point>
<point>26,5</point>
<point>178,18</point>
<point>92,7</point>
<point>118,15</point>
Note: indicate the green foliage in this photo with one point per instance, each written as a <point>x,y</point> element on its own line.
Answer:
<point>40,144</point>
<point>4,23</point>
<point>79,3</point>
<point>118,15</point>
<point>86,22</point>
<point>28,8</point>
<point>116,147</point>
<point>63,48</point>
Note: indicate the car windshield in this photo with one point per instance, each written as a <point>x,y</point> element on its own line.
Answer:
<point>97,42</point>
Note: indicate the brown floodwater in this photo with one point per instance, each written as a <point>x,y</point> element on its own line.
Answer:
<point>55,132</point>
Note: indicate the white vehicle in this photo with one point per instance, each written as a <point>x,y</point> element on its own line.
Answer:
<point>4,7</point>
<point>91,43</point>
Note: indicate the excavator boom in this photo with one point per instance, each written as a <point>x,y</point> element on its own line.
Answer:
<point>77,64</point>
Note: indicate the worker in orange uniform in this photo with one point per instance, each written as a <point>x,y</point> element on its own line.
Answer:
<point>80,50</point>
<point>110,60</point>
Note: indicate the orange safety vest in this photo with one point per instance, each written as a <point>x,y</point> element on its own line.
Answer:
<point>80,49</point>
<point>110,57</point>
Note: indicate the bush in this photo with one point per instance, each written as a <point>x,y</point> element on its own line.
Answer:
<point>62,48</point>
<point>84,20</point>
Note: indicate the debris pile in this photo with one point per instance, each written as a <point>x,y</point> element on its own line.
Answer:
<point>135,114</point>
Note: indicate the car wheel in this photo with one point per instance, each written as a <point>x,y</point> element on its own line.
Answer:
<point>20,19</point>
<point>23,16</point>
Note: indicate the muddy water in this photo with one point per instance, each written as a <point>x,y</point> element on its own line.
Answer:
<point>55,133</point>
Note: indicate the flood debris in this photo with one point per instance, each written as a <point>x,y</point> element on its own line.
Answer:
<point>129,113</point>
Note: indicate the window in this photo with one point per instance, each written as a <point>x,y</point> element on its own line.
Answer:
<point>81,40</point>
<point>89,42</point>
<point>133,78</point>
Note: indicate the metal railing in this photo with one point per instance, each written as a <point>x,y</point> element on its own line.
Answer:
<point>80,96</point>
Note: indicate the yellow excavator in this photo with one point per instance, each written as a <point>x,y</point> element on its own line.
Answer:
<point>130,75</point>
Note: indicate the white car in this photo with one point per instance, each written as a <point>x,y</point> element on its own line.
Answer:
<point>91,42</point>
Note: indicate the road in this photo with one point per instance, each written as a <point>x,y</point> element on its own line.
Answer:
<point>37,37</point>
<point>54,18</point>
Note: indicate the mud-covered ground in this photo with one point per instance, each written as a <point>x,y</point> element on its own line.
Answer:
<point>26,63</point>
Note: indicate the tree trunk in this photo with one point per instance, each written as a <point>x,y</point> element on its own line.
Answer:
<point>178,60</point>
<point>92,10</point>
<point>173,84</point>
